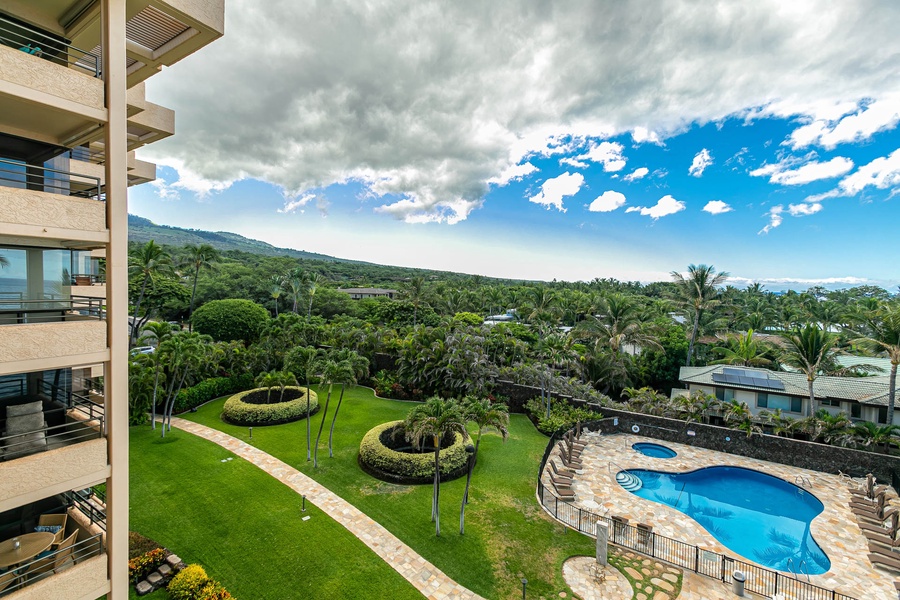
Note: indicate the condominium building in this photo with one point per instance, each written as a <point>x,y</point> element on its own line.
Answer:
<point>72,113</point>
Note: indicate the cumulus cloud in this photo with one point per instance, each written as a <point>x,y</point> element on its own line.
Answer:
<point>667,205</point>
<point>574,162</point>
<point>607,202</point>
<point>775,219</point>
<point>411,104</point>
<point>780,281</point>
<point>513,173</point>
<point>292,204</point>
<point>554,190</point>
<point>871,118</point>
<point>717,207</point>
<point>812,171</point>
<point>701,160</point>
<point>608,154</point>
<point>641,135</point>
<point>881,173</point>
<point>638,173</point>
<point>804,210</point>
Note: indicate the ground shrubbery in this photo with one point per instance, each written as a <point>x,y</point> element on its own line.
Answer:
<point>243,408</point>
<point>208,389</point>
<point>141,566</point>
<point>378,459</point>
<point>228,320</point>
<point>562,414</point>
<point>192,583</point>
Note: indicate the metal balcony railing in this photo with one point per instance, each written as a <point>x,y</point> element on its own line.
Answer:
<point>20,175</point>
<point>88,279</point>
<point>47,47</point>
<point>78,419</point>
<point>16,312</point>
<point>84,154</point>
<point>50,562</point>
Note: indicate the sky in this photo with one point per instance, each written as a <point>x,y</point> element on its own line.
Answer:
<point>544,140</point>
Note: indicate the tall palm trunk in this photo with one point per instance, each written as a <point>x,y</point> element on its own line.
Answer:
<point>436,512</point>
<point>153,402</point>
<point>694,330</point>
<point>308,433</point>
<point>892,393</point>
<point>334,420</point>
<point>137,308</point>
<point>811,409</point>
<point>321,427</point>
<point>469,474</point>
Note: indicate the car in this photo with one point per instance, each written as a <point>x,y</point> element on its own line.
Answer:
<point>142,350</point>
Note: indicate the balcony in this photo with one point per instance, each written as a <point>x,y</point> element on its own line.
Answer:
<point>46,203</point>
<point>73,564</point>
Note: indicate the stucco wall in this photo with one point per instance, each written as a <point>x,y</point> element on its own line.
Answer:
<point>49,471</point>
<point>50,340</point>
<point>51,78</point>
<point>86,579</point>
<point>43,209</point>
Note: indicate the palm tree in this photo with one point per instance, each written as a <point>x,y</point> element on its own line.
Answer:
<point>698,292</point>
<point>485,415</point>
<point>275,379</point>
<point>738,416</point>
<point>160,331</point>
<point>619,324</point>
<point>780,424</point>
<point>810,350</point>
<point>414,292</point>
<point>344,375</point>
<point>884,335</point>
<point>435,418</point>
<point>185,353</point>
<point>871,434</point>
<point>313,281</point>
<point>147,261</point>
<point>331,372</point>
<point>304,361</point>
<point>742,350</point>
<point>275,291</point>
<point>199,257</point>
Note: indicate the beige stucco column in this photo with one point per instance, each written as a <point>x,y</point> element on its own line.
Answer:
<point>116,382</point>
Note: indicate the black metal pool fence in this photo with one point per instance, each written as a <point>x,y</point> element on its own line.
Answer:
<point>759,580</point>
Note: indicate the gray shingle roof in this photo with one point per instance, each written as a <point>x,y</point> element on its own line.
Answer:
<point>865,390</point>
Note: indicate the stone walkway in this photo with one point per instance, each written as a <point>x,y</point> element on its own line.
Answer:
<point>424,576</point>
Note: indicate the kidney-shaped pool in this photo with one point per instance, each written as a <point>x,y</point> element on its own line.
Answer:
<point>758,516</point>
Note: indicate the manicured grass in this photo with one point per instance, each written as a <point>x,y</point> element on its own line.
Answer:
<point>507,535</point>
<point>244,527</point>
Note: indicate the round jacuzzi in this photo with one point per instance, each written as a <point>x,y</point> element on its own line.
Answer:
<point>654,450</point>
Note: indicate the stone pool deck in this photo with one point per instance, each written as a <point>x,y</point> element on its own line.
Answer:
<point>835,529</point>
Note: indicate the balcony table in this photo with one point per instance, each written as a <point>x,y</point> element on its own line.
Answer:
<point>31,544</point>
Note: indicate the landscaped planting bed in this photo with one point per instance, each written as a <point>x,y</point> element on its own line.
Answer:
<point>253,407</point>
<point>385,453</point>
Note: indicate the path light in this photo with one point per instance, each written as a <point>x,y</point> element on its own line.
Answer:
<point>524,585</point>
<point>470,450</point>
<point>304,504</point>
<point>251,432</point>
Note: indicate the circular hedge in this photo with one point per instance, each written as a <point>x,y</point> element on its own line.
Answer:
<point>252,407</point>
<point>379,456</point>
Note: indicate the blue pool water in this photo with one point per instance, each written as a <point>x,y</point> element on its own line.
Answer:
<point>760,517</point>
<point>654,450</point>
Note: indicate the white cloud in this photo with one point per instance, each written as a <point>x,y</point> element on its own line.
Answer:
<point>513,173</point>
<point>642,134</point>
<point>387,98</point>
<point>778,281</point>
<point>883,172</point>
<point>804,210</point>
<point>573,162</point>
<point>812,171</point>
<point>701,160</point>
<point>638,173</point>
<point>607,202</point>
<point>717,207</point>
<point>554,190</point>
<point>609,154</point>
<point>667,205</point>
<point>775,219</point>
<point>871,118</point>
<point>292,204</point>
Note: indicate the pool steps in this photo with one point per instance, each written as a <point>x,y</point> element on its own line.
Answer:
<point>628,481</point>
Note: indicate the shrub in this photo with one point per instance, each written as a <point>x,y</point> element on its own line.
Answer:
<point>381,461</point>
<point>239,411</point>
<point>228,320</point>
<point>141,566</point>
<point>139,544</point>
<point>194,584</point>
<point>562,414</point>
<point>208,389</point>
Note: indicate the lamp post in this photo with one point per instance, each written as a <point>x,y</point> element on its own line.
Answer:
<point>470,450</point>
<point>524,585</point>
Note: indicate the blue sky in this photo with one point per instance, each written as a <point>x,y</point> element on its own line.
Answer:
<point>538,156</point>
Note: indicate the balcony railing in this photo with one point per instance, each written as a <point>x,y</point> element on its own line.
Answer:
<point>51,562</point>
<point>20,175</point>
<point>76,419</point>
<point>39,44</point>
<point>84,154</point>
<point>88,279</point>
<point>16,312</point>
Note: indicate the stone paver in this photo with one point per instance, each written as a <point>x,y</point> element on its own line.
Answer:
<point>835,529</point>
<point>425,577</point>
<point>576,572</point>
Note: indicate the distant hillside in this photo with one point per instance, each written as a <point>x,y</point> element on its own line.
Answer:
<point>143,230</point>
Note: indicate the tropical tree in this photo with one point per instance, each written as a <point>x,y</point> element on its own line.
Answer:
<point>742,350</point>
<point>484,414</point>
<point>199,257</point>
<point>883,336</point>
<point>184,354</point>
<point>810,350</point>
<point>344,375</point>
<point>435,419</point>
<point>698,292</point>
<point>311,284</point>
<point>414,292</point>
<point>160,332</point>
<point>275,379</point>
<point>738,415</point>
<point>331,371</point>
<point>836,429</point>
<point>303,362</point>
<point>871,434</point>
<point>146,262</point>
<point>275,291</point>
<point>781,425</point>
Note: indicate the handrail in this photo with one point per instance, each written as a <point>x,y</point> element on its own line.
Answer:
<point>801,571</point>
<point>39,44</point>
<point>42,311</point>
<point>611,463</point>
<point>78,552</point>
<point>800,479</point>
<point>46,179</point>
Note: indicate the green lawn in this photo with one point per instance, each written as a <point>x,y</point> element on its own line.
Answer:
<point>507,535</point>
<point>245,527</point>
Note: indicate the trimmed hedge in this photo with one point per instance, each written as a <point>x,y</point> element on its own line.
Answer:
<point>230,320</point>
<point>238,412</point>
<point>380,461</point>
<point>209,389</point>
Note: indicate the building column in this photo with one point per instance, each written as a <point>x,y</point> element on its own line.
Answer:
<point>116,371</point>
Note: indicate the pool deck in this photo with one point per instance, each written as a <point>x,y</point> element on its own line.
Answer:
<point>835,529</point>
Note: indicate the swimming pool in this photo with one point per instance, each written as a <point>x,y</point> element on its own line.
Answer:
<point>760,517</point>
<point>654,450</point>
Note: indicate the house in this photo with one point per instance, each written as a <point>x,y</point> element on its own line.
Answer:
<point>73,110</point>
<point>363,293</point>
<point>863,398</point>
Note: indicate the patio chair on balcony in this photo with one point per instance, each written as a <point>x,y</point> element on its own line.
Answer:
<point>60,559</point>
<point>7,578</point>
<point>49,522</point>
<point>25,430</point>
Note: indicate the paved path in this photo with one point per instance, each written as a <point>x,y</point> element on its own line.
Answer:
<point>423,575</point>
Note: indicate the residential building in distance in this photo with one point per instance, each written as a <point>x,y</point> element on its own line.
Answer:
<point>363,293</point>
<point>72,112</point>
